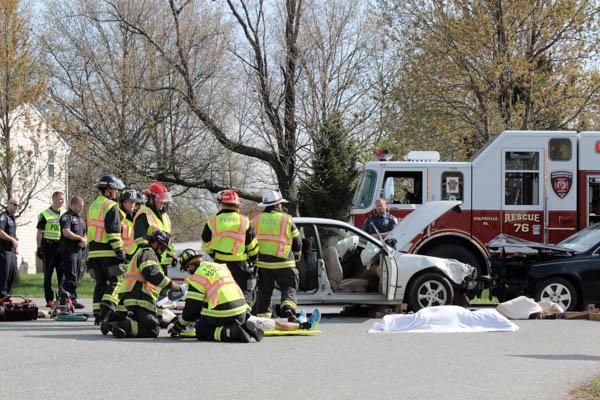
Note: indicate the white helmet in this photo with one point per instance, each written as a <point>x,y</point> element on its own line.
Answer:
<point>271,197</point>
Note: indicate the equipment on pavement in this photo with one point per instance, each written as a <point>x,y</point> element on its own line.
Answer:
<point>23,310</point>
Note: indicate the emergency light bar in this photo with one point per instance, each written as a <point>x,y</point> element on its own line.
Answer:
<point>422,156</point>
<point>383,155</point>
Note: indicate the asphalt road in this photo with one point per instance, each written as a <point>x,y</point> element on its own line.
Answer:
<point>72,360</point>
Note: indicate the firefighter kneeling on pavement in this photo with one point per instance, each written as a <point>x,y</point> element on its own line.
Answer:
<point>279,248</point>
<point>143,282</point>
<point>215,302</point>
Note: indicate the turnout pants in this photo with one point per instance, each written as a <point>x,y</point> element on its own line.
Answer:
<point>8,271</point>
<point>287,282</point>
<point>222,329</point>
<point>107,285</point>
<point>51,263</point>
<point>140,323</point>
<point>245,277</point>
<point>71,267</point>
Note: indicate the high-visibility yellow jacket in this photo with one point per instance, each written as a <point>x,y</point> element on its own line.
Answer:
<point>154,224</point>
<point>104,233</point>
<point>52,228</point>
<point>228,237</point>
<point>127,234</point>
<point>212,292</point>
<point>275,233</point>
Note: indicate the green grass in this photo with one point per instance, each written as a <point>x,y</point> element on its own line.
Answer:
<point>484,299</point>
<point>589,391</point>
<point>32,286</point>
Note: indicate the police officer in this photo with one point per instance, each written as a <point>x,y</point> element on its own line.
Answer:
<point>128,202</point>
<point>73,242</point>
<point>215,302</point>
<point>8,247</point>
<point>280,246</point>
<point>229,238</point>
<point>105,251</point>
<point>48,244</point>
<point>143,282</point>
<point>381,224</point>
<point>152,217</point>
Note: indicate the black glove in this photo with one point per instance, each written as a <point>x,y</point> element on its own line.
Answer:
<point>120,255</point>
<point>40,253</point>
<point>174,262</point>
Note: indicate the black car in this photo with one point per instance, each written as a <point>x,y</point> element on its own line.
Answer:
<point>567,273</point>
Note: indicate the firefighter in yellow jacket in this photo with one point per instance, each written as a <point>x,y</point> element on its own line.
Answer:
<point>128,200</point>
<point>280,245</point>
<point>143,282</point>
<point>105,247</point>
<point>229,238</point>
<point>215,302</point>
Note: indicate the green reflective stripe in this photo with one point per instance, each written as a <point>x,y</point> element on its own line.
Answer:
<point>230,257</point>
<point>276,265</point>
<point>217,334</point>
<point>141,240</point>
<point>147,263</point>
<point>295,233</point>
<point>134,328</point>
<point>163,284</point>
<point>101,253</point>
<point>51,235</point>
<point>110,298</point>
<point>181,320</point>
<point>150,306</point>
<point>226,313</point>
<point>195,295</point>
<point>264,315</point>
<point>289,303</point>
<point>95,306</point>
<point>121,308</point>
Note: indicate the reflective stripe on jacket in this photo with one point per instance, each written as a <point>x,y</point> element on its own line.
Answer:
<point>275,232</point>
<point>229,235</point>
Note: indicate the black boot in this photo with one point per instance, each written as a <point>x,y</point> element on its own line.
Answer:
<point>121,330</point>
<point>105,327</point>
<point>253,331</point>
<point>234,332</point>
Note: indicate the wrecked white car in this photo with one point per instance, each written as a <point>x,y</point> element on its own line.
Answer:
<point>341,264</point>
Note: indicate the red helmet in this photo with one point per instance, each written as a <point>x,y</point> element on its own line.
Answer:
<point>228,196</point>
<point>159,191</point>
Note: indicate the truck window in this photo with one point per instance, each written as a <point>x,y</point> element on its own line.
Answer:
<point>559,149</point>
<point>521,178</point>
<point>452,186</point>
<point>366,189</point>
<point>408,187</point>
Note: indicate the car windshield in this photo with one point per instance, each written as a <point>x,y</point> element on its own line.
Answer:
<point>583,240</point>
<point>366,189</point>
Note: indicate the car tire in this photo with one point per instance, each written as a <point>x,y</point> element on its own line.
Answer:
<point>558,290</point>
<point>456,252</point>
<point>430,289</point>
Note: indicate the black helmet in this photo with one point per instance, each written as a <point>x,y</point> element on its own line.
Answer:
<point>109,181</point>
<point>160,237</point>
<point>131,194</point>
<point>187,256</point>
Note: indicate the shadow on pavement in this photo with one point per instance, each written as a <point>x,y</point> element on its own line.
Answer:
<point>559,357</point>
<point>98,337</point>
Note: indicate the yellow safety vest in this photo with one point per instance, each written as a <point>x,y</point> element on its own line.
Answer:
<point>215,286</point>
<point>134,276</point>
<point>52,227</point>
<point>154,224</point>
<point>96,216</point>
<point>229,236</point>
<point>127,233</point>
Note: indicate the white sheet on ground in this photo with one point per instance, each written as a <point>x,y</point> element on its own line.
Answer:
<point>445,319</point>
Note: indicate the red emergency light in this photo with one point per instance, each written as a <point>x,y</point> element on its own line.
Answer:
<point>598,146</point>
<point>383,155</point>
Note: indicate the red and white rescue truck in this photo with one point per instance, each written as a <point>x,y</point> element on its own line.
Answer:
<point>538,185</point>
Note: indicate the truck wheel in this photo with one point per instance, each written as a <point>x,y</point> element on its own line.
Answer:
<point>559,291</point>
<point>456,252</point>
<point>430,289</point>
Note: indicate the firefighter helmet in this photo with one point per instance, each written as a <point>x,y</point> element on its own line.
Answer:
<point>131,194</point>
<point>109,181</point>
<point>159,192</point>
<point>271,197</point>
<point>188,256</point>
<point>161,237</point>
<point>228,196</point>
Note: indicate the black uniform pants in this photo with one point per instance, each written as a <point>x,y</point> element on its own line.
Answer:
<point>140,323</point>
<point>287,282</point>
<point>245,277</point>
<point>107,285</point>
<point>8,271</point>
<point>71,267</point>
<point>51,263</point>
<point>221,329</point>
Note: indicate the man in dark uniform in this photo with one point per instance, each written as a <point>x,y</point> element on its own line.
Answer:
<point>73,242</point>
<point>48,240</point>
<point>8,248</point>
<point>380,224</point>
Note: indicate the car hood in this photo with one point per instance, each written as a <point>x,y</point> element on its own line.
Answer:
<point>514,245</point>
<point>411,225</point>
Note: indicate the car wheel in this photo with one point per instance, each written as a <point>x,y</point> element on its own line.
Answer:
<point>559,291</point>
<point>430,289</point>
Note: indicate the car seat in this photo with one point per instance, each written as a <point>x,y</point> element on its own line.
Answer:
<point>335,272</point>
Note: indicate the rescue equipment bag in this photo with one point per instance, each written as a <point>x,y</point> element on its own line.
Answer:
<point>23,310</point>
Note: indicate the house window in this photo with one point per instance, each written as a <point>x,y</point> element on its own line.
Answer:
<point>559,149</point>
<point>51,163</point>
<point>452,186</point>
<point>521,178</point>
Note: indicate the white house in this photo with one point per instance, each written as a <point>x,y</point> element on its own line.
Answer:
<point>42,158</point>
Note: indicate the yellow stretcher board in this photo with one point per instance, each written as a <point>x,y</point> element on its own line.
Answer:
<point>297,332</point>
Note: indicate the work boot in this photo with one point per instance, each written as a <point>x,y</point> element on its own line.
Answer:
<point>234,332</point>
<point>105,327</point>
<point>253,331</point>
<point>290,315</point>
<point>78,305</point>
<point>121,330</point>
<point>97,319</point>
